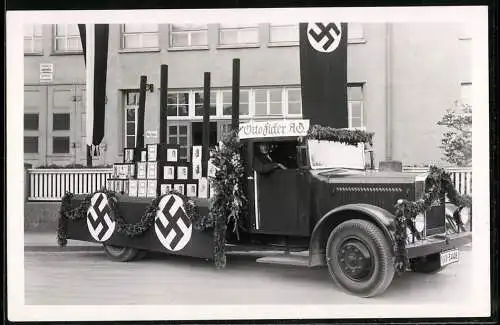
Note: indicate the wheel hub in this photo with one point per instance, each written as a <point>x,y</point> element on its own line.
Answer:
<point>355,259</point>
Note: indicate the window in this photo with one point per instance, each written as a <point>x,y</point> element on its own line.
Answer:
<point>31,122</point>
<point>178,134</point>
<point>140,36</point>
<point>224,128</point>
<point>466,93</point>
<point>178,104</point>
<point>67,39</point>
<point>30,144</point>
<point>131,105</point>
<point>355,106</point>
<point>198,103</point>
<point>188,36</point>
<point>60,144</point>
<point>33,40</point>
<point>284,34</point>
<point>294,101</point>
<point>268,102</point>
<point>61,122</point>
<point>227,102</point>
<point>260,102</point>
<point>355,33</point>
<point>238,35</point>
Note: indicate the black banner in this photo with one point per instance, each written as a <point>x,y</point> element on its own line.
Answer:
<point>323,73</point>
<point>95,48</point>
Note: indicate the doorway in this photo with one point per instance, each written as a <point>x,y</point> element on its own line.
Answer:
<point>197,133</point>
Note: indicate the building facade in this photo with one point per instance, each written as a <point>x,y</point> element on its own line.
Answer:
<point>401,79</point>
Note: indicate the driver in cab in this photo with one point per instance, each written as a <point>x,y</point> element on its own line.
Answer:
<point>263,163</point>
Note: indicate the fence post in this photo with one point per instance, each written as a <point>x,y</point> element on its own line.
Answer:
<point>26,181</point>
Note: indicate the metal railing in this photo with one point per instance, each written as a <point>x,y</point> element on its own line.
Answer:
<point>52,184</point>
<point>461,177</point>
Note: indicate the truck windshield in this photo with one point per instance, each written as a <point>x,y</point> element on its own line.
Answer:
<point>329,154</point>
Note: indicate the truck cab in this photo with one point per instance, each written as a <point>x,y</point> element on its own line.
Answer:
<point>324,197</point>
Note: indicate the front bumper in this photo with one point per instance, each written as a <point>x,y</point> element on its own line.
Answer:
<point>438,243</point>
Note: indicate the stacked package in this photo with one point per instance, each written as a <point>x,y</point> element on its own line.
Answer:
<point>157,170</point>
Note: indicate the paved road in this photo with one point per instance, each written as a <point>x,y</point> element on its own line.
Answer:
<point>84,278</point>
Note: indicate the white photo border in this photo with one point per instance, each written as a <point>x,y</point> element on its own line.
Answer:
<point>18,311</point>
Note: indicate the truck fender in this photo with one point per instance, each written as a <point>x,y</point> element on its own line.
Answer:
<point>317,244</point>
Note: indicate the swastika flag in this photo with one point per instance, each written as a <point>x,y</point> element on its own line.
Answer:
<point>323,73</point>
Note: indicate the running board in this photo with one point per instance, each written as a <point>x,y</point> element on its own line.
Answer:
<point>285,260</point>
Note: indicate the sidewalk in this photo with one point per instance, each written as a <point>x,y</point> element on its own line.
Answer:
<point>47,242</point>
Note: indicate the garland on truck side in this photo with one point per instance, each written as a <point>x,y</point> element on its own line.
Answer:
<point>147,220</point>
<point>437,184</point>
<point>230,202</point>
<point>346,136</point>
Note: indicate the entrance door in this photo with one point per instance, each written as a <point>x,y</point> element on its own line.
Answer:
<point>197,133</point>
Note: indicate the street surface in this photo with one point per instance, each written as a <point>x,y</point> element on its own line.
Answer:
<point>89,278</point>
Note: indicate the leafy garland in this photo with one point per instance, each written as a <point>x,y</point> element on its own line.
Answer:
<point>230,201</point>
<point>437,184</point>
<point>347,136</point>
<point>66,212</point>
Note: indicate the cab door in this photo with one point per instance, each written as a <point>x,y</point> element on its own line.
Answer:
<point>276,203</point>
<point>275,199</point>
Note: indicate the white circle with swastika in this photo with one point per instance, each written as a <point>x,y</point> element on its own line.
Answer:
<point>99,221</point>
<point>172,224</point>
<point>324,37</point>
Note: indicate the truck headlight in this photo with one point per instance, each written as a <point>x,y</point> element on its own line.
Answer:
<point>420,222</point>
<point>464,215</point>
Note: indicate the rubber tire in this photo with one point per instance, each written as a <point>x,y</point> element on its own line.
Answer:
<point>380,249</point>
<point>121,254</point>
<point>429,264</point>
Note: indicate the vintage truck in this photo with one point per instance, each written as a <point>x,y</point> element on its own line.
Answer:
<point>320,197</point>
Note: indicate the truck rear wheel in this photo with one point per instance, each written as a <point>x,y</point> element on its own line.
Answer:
<point>122,254</point>
<point>359,258</point>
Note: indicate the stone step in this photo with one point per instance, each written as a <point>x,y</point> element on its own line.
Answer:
<point>286,259</point>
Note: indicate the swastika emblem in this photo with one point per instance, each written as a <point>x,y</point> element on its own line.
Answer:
<point>324,37</point>
<point>172,225</point>
<point>99,222</point>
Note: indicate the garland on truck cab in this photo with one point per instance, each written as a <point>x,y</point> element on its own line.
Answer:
<point>437,183</point>
<point>132,230</point>
<point>346,136</point>
<point>230,202</point>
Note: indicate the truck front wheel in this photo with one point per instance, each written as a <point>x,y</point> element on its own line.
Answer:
<point>359,258</point>
<point>122,254</point>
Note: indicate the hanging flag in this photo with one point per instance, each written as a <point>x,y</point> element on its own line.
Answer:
<point>323,73</point>
<point>95,48</point>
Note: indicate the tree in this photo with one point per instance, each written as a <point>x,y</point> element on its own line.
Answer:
<point>457,139</point>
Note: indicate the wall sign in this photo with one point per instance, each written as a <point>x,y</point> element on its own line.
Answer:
<point>46,72</point>
<point>274,129</point>
<point>151,134</point>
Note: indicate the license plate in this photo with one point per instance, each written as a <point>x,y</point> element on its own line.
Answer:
<point>448,257</point>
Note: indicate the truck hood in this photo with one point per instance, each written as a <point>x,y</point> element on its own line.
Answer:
<point>341,175</point>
